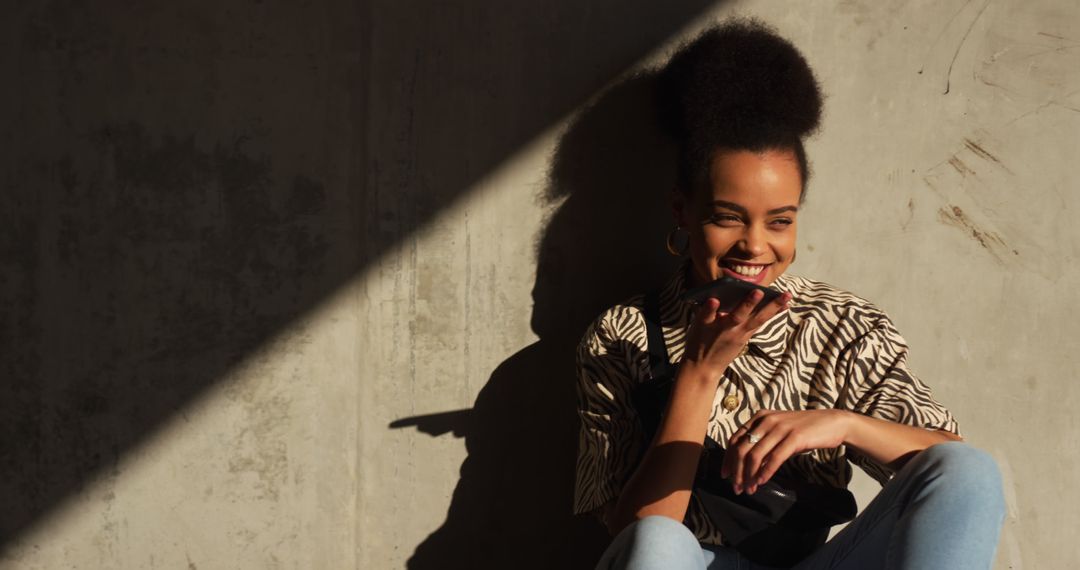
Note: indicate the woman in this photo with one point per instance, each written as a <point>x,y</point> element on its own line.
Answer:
<point>800,386</point>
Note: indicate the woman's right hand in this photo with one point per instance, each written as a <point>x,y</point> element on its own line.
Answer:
<point>662,482</point>
<point>715,339</point>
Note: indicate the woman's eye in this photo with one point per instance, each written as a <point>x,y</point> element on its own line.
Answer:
<point>781,222</point>
<point>725,219</point>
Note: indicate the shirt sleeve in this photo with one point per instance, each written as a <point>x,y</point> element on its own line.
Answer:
<point>609,442</point>
<point>878,383</point>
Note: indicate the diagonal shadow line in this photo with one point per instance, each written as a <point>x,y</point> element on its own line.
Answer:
<point>141,262</point>
<point>602,245</point>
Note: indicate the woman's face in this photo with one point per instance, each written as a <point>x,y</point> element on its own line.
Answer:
<point>744,224</point>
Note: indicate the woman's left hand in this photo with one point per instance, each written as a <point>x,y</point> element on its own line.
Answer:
<point>778,436</point>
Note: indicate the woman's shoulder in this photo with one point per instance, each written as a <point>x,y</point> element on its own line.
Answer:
<point>622,321</point>
<point>831,304</point>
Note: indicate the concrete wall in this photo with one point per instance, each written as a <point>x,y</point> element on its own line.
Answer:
<point>289,285</point>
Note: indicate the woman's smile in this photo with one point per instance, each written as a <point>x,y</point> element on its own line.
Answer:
<point>752,272</point>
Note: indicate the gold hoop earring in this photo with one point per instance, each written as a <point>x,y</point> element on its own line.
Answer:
<point>670,243</point>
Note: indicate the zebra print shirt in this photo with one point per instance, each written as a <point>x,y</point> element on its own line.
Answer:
<point>830,349</point>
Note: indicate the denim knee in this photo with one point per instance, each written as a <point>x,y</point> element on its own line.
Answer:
<point>662,529</point>
<point>654,542</point>
<point>966,474</point>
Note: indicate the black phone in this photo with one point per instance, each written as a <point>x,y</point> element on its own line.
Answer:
<point>730,292</point>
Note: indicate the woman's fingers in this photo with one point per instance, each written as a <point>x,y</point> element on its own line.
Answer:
<point>741,442</point>
<point>730,455</point>
<point>779,454</point>
<point>742,313</point>
<point>723,334</point>
<point>735,437</point>
<point>727,467</point>
<point>761,453</point>
<point>707,311</point>
<point>747,450</point>
<point>745,312</point>
<point>780,303</point>
<point>733,463</point>
<point>757,449</point>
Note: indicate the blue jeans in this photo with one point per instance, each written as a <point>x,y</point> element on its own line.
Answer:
<point>944,509</point>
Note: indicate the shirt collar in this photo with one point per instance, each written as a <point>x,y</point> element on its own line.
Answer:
<point>770,340</point>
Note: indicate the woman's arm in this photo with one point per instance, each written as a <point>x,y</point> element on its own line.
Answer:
<point>890,443</point>
<point>662,482</point>
<point>783,434</point>
<point>879,413</point>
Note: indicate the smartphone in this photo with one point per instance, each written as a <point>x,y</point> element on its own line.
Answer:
<point>730,292</point>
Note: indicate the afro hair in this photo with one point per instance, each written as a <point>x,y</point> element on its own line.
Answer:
<point>738,85</point>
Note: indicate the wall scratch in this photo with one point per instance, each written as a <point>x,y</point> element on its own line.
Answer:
<point>961,166</point>
<point>982,152</point>
<point>990,241</point>
<point>910,214</point>
<point>942,33</point>
<point>963,40</point>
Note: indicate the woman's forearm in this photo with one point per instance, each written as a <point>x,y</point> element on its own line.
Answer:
<point>890,443</point>
<point>662,482</point>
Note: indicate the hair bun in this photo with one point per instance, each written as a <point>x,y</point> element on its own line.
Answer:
<point>736,83</point>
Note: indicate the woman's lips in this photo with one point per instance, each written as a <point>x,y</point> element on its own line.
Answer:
<point>755,279</point>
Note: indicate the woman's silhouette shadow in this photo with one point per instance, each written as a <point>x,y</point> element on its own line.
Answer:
<point>512,506</point>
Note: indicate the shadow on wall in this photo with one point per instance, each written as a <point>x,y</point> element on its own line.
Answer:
<point>167,210</point>
<point>512,505</point>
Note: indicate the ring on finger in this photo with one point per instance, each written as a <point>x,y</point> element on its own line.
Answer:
<point>753,437</point>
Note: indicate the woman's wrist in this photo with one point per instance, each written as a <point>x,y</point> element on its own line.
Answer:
<point>850,425</point>
<point>887,442</point>
<point>699,372</point>
<point>689,405</point>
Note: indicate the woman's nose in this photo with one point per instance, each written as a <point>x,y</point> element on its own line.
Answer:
<point>753,241</point>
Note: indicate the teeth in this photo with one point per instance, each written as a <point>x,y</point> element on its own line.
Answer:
<point>747,270</point>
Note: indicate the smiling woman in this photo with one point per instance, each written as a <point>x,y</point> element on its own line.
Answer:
<point>686,411</point>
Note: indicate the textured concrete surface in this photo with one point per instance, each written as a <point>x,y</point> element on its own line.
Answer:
<point>296,285</point>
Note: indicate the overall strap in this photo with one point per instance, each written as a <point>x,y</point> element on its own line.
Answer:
<point>650,397</point>
<point>659,363</point>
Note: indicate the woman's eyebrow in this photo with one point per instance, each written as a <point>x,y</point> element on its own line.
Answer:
<point>737,208</point>
<point>730,205</point>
